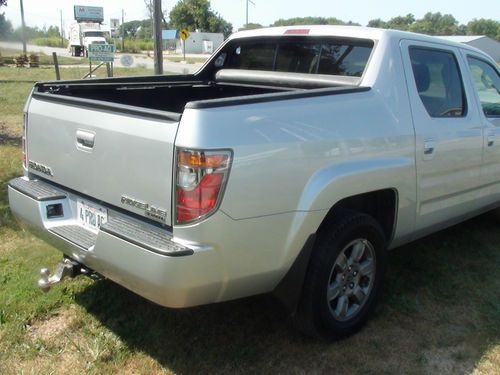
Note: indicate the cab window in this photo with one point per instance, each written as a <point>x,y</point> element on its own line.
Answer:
<point>487,84</point>
<point>312,56</point>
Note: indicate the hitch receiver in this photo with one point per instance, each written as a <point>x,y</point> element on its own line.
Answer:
<point>65,268</point>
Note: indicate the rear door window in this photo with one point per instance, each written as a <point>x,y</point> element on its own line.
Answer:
<point>439,83</point>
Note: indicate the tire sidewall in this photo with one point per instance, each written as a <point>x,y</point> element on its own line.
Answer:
<point>364,227</point>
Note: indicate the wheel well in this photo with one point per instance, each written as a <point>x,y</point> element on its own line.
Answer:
<point>380,204</point>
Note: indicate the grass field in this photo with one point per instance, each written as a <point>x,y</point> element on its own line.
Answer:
<point>440,312</point>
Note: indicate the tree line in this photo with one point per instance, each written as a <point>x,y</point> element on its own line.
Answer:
<point>430,23</point>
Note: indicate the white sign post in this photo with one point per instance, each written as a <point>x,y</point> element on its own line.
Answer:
<point>103,53</point>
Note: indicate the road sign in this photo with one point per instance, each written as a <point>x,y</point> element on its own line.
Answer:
<point>102,52</point>
<point>184,34</point>
<point>127,60</point>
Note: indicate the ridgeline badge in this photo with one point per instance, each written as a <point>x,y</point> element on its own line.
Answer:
<point>155,213</point>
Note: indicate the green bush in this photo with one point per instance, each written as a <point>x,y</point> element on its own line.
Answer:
<point>50,42</point>
<point>134,45</point>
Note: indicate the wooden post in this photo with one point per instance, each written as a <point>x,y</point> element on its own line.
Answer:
<point>56,66</point>
<point>108,68</point>
<point>23,27</point>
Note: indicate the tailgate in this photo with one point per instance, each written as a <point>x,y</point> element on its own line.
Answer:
<point>105,154</point>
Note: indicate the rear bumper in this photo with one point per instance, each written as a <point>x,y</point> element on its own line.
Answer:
<point>142,257</point>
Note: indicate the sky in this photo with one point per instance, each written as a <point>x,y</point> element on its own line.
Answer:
<point>47,12</point>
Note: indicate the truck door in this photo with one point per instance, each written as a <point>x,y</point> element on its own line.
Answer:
<point>449,133</point>
<point>486,81</point>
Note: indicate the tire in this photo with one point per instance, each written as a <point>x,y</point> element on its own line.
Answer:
<point>344,277</point>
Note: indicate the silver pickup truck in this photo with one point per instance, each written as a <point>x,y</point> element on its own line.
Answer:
<point>290,163</point>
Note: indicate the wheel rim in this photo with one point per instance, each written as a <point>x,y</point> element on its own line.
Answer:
<point>351,279</point>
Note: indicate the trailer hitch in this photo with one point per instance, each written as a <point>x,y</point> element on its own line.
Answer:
<point>66,268</point>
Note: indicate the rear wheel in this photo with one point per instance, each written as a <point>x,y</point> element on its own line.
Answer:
<point>344,278</point>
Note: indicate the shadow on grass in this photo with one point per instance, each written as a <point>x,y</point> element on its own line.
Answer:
<point>435,315</point>
<point>6,217</point>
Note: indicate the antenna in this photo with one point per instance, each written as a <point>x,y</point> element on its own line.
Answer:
<point>248,1</point>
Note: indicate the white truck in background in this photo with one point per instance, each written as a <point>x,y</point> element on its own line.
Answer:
<point>82,34</point>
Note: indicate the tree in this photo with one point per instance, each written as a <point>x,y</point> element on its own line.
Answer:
<point>137,29</point>
<point>401,22</point>
<point>484,26</point>
<point>217,24</point>
<point>312,21</point>
<point>150,9</point>
<point>53,32</point>
<point>251,26</point>
<point>436,24</point>
<point>3,2</point>
<point>197,14</point>
<point>377,23</point>
<point>30,32</point>
<point>5,27</point>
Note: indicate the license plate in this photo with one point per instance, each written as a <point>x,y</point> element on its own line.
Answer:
<point>90,215</point>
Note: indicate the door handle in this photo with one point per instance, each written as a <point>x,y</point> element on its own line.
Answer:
<point>491,140</point>
<point>429,149</point>
<point>85,139</point>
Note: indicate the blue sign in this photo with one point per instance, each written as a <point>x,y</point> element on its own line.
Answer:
<point>169,34</point>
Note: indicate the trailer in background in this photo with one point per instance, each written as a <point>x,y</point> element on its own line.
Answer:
<point>86,29</point>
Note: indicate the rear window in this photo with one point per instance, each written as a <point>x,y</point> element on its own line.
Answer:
<point>332,57</point>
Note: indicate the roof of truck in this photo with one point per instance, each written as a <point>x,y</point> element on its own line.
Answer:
<point>345,31</point>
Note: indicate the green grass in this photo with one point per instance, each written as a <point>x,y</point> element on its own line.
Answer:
<point>189,60</point>
<point>50,42</point>
<point>440,311</point>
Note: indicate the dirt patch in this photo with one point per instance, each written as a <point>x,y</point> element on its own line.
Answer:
<point>51,327</point>
<point>141,364</point>
<point>448,361</point>
<point>489,363</point>
<point>8,135</point>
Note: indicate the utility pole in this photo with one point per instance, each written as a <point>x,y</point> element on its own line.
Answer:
<point>248,1</point>
<point>61,30</point>
<point>123,31</point>
<point>158,56</point>
<point>24,27</point>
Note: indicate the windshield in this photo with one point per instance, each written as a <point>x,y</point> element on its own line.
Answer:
<point>93,34</point>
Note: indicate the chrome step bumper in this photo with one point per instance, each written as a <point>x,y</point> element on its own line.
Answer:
<point>142,234</point>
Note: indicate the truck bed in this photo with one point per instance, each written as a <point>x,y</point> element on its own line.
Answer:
<point>172,93</point>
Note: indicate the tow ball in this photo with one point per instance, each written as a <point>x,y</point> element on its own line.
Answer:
<point>66,268</point>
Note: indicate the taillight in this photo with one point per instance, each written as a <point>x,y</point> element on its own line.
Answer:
<point>200,180</point>
<point>23,141</point>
